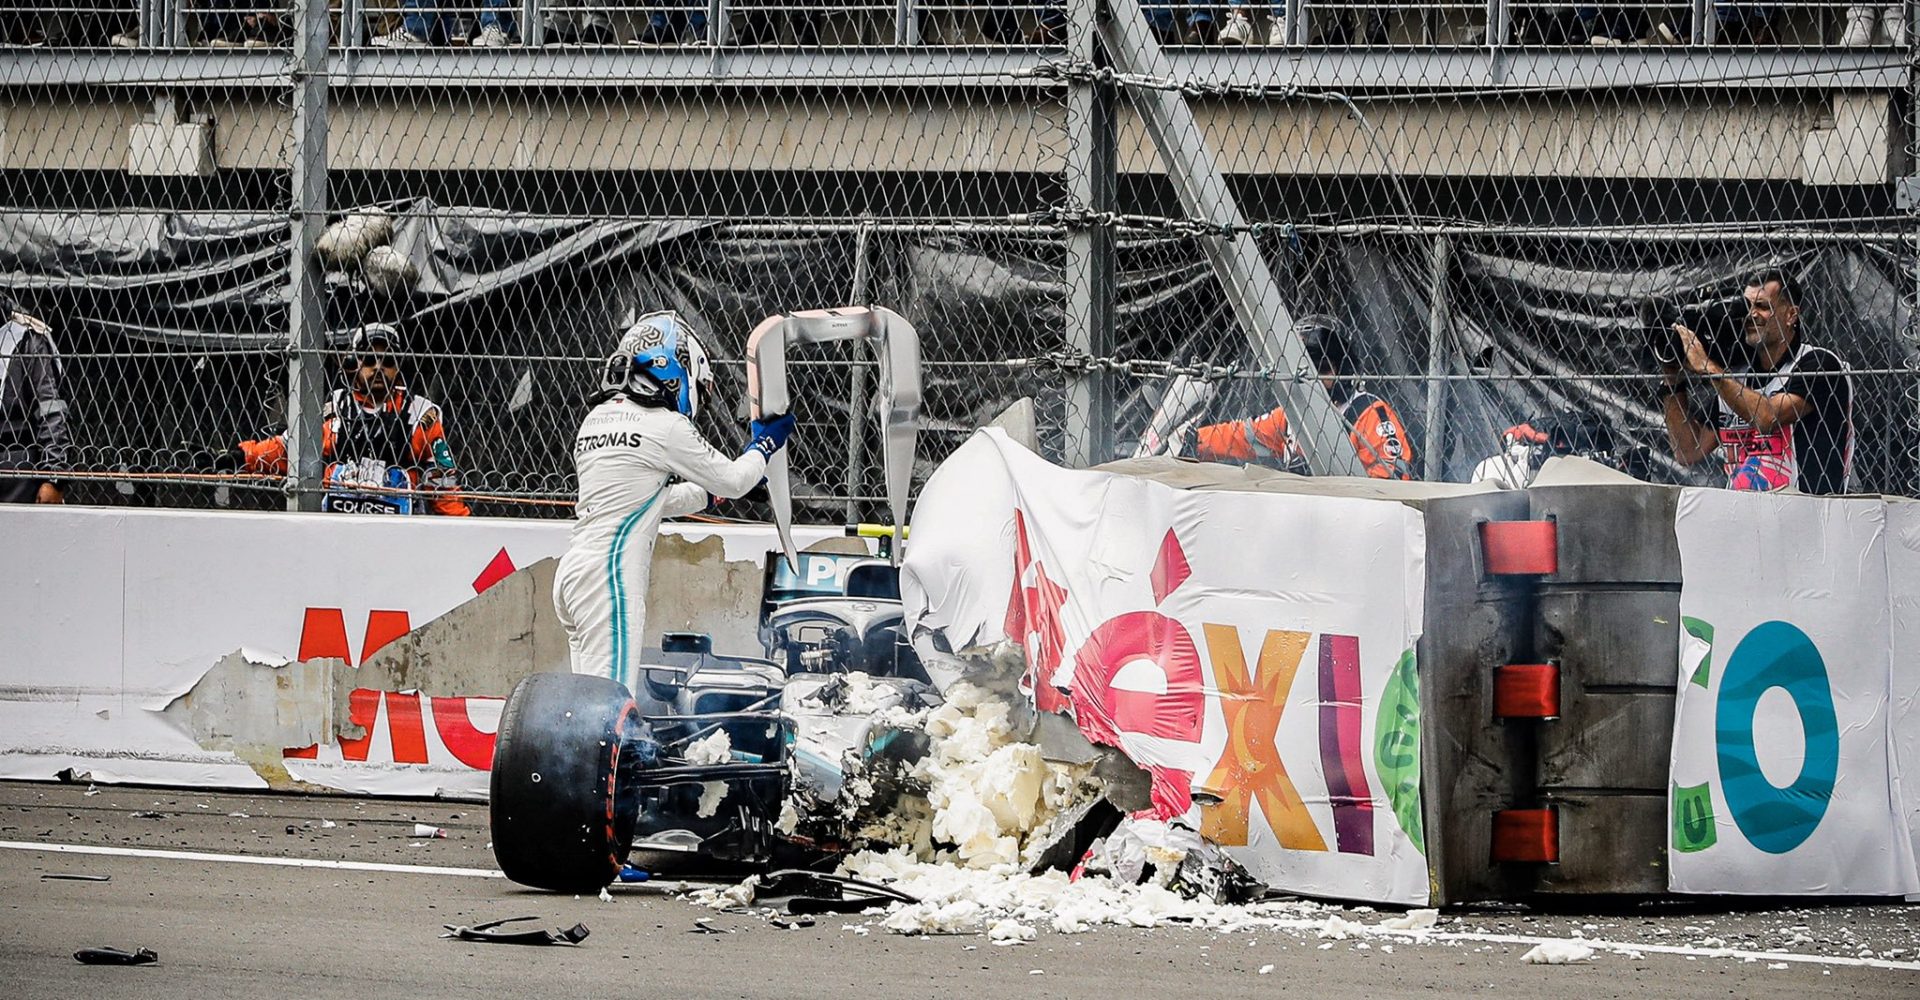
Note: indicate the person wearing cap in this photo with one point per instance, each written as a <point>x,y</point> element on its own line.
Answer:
<point>34,436</point>
<point>1377,434</point>
<point>385,446</point>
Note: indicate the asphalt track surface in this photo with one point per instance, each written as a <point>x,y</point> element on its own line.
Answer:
<point>237,906</point>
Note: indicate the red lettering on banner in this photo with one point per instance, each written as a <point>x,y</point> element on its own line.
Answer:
<point>405,730</point>
<point>468,744</point>
<point>497,570</point>
<point>323,635</point>
<point>1104,711</point>
<point>383,627</point>
<point>1033,620</point>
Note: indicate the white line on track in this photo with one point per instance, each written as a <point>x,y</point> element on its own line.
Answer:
<point>1618,947</point>
<point>250,859</point>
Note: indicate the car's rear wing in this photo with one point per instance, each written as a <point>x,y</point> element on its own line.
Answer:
<point>897,347</point>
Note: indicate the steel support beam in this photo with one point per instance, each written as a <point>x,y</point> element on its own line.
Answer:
<point>1409,72</point>
<point>306,287</point>
<point>1433,443</point>
<point>1091,181</point>
<point>1318,429</point>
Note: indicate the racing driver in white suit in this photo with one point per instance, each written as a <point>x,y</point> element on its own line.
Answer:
<point>637,438</point>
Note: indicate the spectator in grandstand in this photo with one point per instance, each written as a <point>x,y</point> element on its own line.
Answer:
<point>640,435</point>
<point>33,414</point>
<point>1863,19</point>
<point>586,26</point>
<point>1376,432</point>
<point>1783,418</point>
<point>241,24</point>
<point>385,447</point>
<point>1335,26</point>
<point>1744,24</point>
<point>422,23</point>
<point>1197,29</point>
<point>687,22</point>
<point>1625,26</point>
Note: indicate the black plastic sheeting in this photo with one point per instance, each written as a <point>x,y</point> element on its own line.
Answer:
<point>174,324</point>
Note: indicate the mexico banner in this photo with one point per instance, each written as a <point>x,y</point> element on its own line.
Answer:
<point>1783,777</point>
<point>1252,651</point>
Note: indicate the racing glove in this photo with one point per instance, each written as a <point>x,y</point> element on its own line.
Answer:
<point>769,434</point>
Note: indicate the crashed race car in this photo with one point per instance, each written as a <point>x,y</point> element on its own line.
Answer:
<point>734,758</point>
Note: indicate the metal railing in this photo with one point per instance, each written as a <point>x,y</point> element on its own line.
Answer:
<point>164,24</point>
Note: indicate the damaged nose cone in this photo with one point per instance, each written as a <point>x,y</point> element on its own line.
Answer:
<point>896,346</point>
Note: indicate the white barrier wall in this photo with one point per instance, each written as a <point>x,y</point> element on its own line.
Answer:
<point>112,614</point>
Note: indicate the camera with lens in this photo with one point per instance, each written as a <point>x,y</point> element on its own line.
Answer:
<point>1719,323</point>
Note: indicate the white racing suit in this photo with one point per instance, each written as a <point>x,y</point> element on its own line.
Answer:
<point>624,455</point>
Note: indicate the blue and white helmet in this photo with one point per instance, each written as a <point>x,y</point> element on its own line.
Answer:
<point>661,361</point>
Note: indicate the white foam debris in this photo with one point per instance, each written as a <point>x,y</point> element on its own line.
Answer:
<point>1558,953</point>
<point>605,896</point>
<point>715,748</point>
<point>1339,928</point>
<point>1776,966</point>
<point>988,792</point>
<point>728,897</point>
<point>1008,931</point>
<point>789,818</point>
<point>953,899</point>
<point>1412,920</point>
<point>1266,969</point>
<point>711,792</point>
<point>959,916</point>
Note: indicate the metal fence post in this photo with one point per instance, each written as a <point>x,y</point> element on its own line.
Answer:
<point>1090,264</point>
<point>1434,442</point>
<point>306,287</point>
<point>857,378</point>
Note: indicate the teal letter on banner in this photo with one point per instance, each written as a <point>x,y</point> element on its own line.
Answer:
<point>1776,654</point>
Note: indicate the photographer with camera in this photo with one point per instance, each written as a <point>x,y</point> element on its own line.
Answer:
<point>1783,419</point>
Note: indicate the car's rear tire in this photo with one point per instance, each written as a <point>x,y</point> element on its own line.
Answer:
<point>560,819</point>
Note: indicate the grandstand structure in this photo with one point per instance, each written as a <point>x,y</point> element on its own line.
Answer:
<point>1095,205</point>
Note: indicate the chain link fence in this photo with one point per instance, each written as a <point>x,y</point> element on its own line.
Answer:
<point>1120,213</point>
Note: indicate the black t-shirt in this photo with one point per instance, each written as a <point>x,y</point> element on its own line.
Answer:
<point>1814,453</point>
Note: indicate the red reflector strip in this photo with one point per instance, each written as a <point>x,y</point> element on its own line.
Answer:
<point>1519,547</point>
<point>1526,691</point>
<point>1526,836</point>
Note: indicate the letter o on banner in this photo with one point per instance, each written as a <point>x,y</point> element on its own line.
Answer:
<point>1774,819</point>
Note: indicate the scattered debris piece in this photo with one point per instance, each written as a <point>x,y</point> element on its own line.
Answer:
<point>149,814</point>
<point>791,923</point>
<point>91,790</point>
<point>1558,953</point>
<point>1008,931</point>
<point>605,896</point>
<point>236,814</point>
<point>704,925</point>
<point>486,932</point>
<point>429,831</point>
<point>115,956</point>
<point>292,829</point>
<point>816,892</point>
<point>1412,920</point>
<point>74,877</point>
